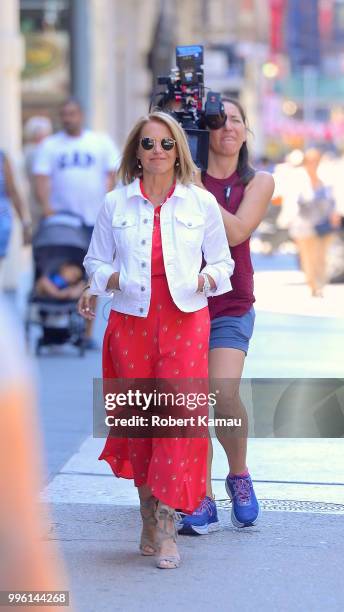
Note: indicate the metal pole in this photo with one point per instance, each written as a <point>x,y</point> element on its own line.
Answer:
<point>80,47</point>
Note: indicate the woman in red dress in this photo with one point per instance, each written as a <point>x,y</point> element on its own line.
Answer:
<point>146,250</point>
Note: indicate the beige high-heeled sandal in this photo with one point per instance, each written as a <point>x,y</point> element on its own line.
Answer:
<point>168,531</point>
<point>148,545</point>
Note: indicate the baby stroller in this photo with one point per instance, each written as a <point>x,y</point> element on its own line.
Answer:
<point>61,237</point>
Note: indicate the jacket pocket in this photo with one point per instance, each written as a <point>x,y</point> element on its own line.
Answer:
<point>123,222</point>
<point>124,229</point>
<point>190,228</point>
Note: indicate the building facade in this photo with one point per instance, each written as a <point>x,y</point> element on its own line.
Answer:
<point>108,54</point>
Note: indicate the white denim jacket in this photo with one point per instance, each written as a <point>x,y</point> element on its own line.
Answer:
<point>191,224</point>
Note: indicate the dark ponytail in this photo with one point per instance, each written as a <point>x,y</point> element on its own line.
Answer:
<point>245,171</point>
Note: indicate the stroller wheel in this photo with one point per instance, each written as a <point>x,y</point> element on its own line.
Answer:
<point>79,343</point>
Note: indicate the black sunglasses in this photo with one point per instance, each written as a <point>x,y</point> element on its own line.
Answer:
<point>149,143</point>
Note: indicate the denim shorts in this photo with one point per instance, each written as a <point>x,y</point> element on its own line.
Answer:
<point>5,232</point>
<point>232,332</point>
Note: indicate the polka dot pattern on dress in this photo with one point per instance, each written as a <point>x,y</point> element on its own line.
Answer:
<point>161,345</point>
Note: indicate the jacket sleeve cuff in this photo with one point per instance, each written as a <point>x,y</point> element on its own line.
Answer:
<point>213,272</point>
<point>100,280</point>
<point>222,281</point>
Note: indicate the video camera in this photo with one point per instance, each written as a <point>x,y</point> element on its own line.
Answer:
<point>183,99</point>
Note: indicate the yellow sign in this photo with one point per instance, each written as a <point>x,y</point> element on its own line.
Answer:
<point>41,55</point>
<point>47,68</point>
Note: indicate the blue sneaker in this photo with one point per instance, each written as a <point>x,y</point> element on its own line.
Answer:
<point>245,506</point>
<point>202,521</point>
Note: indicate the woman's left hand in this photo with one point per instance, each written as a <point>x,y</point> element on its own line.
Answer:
<point>201,281</point>
<point>87,305</point>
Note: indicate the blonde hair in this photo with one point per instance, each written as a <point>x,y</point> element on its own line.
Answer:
<point>129,168</point>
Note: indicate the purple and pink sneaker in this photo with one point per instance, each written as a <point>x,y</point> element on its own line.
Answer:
<point>245,506</point>
<point>202,521</point>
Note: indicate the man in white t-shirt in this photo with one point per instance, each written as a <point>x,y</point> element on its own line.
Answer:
<point>75,167</point>
<point>73,170</point>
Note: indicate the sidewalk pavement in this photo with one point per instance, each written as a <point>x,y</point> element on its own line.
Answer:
<point>285,292</point>
<point>292,560</point>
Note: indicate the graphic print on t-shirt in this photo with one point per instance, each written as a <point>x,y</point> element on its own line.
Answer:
<point>78,168</point>
<point>77,159</point>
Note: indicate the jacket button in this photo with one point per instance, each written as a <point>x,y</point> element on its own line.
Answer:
<point>143,288</point>
<point>189,224</point>
<point>145,220</point>
<point>143,242</point>
<point>124,223</point>
<point>143,264</point>
<point>141,310</point>
<point>145,201</point>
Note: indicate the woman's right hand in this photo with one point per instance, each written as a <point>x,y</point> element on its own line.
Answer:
<point>87,305</point>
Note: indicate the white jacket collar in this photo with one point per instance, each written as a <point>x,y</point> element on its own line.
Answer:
<point>133,189</point>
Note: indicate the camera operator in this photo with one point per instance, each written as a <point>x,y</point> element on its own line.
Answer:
<point>243,196</point>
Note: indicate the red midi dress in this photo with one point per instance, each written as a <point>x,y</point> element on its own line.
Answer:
<point>171,344</point>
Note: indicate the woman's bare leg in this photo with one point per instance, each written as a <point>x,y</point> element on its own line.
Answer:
<point>209,490</point>
<point>167,537</point>
<point>147,509</point>
<point>309,262</point>
<point>225,371</point>
<point>154,526</point>
<point>322,245</point>
<point>144,492</point>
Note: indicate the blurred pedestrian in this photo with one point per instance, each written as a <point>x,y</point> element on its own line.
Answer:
<point>73,171</point>
<point>243,196</point>
<point>36,129</point>
<point>314,219</point>
<point>27,563</point>
<point>146,249</point>
<point>9,194</point>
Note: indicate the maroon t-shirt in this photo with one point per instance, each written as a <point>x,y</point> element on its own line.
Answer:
<point>238,301</point>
